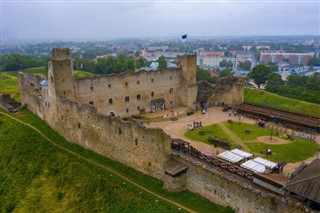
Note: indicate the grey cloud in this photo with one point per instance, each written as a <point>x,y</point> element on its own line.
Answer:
<point>98,20</point>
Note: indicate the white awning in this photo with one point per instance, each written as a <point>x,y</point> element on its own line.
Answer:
<point>258,165</point>
<point>254,166</point>
<point>235,155</point>
<point>266,162</point>
<point>230,156</point>
<point>242,153</point>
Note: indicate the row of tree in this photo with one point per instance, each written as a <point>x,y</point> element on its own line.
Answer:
<point>13,62</point>
<point>305,88</point>
<point>111,64</point>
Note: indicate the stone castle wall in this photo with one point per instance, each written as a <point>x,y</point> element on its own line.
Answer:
<point>108,93</point>
<point>125,141</point>
<point>128,142</point>
<point>225,189</point>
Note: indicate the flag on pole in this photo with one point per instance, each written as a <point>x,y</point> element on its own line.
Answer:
<point>184,36</point>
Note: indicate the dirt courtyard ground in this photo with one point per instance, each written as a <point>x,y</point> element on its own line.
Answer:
<point>176,129</point>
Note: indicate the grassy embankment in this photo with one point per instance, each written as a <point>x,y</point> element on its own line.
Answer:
<point>35,174</point>
<point>262,97</point>
<point>9,80</point>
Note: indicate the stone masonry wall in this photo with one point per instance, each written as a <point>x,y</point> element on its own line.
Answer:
<point>141,87</point>
<point>226,189</point>
<point>127,142</point>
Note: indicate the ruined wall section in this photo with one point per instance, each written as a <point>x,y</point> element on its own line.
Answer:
<point>228,90</point>
<point>140,87</point>
<point>127,142</point>
<point>225,189</point>
<point>30,90</point>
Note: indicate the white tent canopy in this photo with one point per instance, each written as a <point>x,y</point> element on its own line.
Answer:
<point>242,153</point>
<point>254,166</point>
<point>265,162</point>
<point>235,155</point>
<point>258,165</point>
<point>230,156</point>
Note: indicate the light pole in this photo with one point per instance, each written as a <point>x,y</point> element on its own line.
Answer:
<point>271,133</point>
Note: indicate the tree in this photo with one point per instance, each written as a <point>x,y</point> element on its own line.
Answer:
<point>245,65</point>
<point>225,63</point>
<point>226,72</point>
<point>12,62</point>
<point>273,66</point>
<point>130,64</point>
<point>140,62</point>
<point>260,74</point>
<point>274,83</point>
<point>203,74</point>
<point>162,62</point>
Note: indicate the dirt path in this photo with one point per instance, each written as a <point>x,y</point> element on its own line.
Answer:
<point>101,165</point>
<point>233,136</point>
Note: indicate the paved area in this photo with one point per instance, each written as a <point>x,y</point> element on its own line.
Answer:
<point>176,129</point>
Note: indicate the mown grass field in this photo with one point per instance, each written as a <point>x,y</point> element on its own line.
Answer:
<point>240,130</point>
<point>296,151</point>
<point>262,97</point>
<point>209,131</point>
<point>36,175</point>
<point>9,80</point>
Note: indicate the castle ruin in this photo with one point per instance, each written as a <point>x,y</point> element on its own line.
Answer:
<point>82,110</point>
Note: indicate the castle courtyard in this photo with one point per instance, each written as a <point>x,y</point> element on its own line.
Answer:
<point>214,115</point>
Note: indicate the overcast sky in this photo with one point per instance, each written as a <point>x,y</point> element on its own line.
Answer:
<point>102,20</point>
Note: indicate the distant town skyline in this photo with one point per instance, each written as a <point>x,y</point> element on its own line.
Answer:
<point>67,20</point>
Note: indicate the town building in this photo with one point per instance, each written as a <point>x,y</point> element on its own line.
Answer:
<point>292,58</point>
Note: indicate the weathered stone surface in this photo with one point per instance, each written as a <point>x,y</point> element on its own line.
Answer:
<point>228,90</point>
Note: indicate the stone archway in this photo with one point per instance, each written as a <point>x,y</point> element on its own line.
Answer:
<point>112,113</point>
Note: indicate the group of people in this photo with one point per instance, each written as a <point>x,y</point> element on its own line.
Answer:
<point>232,111</point>
<point>196,124</point>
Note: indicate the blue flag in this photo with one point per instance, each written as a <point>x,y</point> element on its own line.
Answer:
<point>184,36</point>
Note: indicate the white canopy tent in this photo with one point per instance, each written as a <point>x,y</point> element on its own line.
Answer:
<point>235,155</point>
<point>258,165</point>
<point>254,166</point>
<point>266,162</point>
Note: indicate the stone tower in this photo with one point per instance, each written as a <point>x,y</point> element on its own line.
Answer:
<point>188,89</point>
<point>60,73</point>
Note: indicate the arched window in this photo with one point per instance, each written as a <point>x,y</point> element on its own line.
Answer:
<point>110,101</point>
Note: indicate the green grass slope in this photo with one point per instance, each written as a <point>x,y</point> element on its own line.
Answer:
<point>9,80</point>
<point>262,97</point>
<point>36,175</point>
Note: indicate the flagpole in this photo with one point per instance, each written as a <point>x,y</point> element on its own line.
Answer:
<point>186,46</point>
